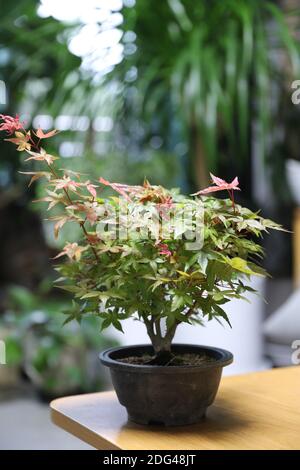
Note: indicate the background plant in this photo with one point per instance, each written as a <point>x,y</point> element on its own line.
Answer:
<point>216,73</point>
<point>56,361</point>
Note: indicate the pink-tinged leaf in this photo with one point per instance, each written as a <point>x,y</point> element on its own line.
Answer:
<point>216,180</point>
<point>118,188</point>
<point>41,156</point>
<point>47,199</point>
<point>123,189</point>
<point>163,249</point>
<point>36,175</point>
<point>41,135</point>
<point>74,174</point>
<point>66,183</point>
<point>210,189</point>
<point>59,224</point>
<point>52,198</point>
<point>105,182</point>
<point>221,185</point>
<point>10,124</point>
<point>91,212</point>
<point>89,209</point>
<point>235,182</point>
<point>21,140</point>
<point>91,189</point>
<point>91,216</point>
<point>72,250</point>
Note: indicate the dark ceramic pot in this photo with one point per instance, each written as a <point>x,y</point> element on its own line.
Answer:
<point>167,395</point>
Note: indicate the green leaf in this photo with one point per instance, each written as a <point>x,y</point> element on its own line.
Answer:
<point>241,265</point>
<point>73,313</point>
<point>218,296</point>
<point>90,295</point>
<point>202,261</point>
<point>220,312</point>
<point>68,320</point>
<point>105,323</point>
<point>177,302</point>
<point>117,325</point>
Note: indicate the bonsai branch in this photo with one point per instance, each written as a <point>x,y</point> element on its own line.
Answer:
<point>161,342</point>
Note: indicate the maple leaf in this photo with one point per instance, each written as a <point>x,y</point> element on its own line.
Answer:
<point>52,198</point>
<point>72,250</point>
<point>123,189</point>
<point>36,175</point>
<point>41,156</point>
<point>10,124</point>
<point>221,185</point>
<point>41,135</point>
<point>91,212</point>
<point>60,223</point>
<point>91,188</point>
<point>66,183</point>
<point>21,140</point>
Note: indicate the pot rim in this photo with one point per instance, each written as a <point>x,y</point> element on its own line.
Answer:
<point>226,358</point>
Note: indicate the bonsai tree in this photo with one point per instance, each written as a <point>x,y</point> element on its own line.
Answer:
<point>147,252</point>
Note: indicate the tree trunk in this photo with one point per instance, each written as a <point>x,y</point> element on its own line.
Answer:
<point>161,344</point>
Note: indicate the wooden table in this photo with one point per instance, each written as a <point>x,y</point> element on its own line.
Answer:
<point>253,411</point>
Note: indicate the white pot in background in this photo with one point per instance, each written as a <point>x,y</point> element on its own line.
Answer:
<point>134,333</point>
<point>244,340</point>
<point>282,331</point>
<point>293,176</point>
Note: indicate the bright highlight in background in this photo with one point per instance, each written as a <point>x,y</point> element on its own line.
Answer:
<point>97,39</point>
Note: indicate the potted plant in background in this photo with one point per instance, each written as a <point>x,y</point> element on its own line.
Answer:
<point>160,257</point>
<point>225,85</point>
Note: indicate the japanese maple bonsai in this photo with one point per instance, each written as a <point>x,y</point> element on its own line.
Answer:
<point>160,257</point>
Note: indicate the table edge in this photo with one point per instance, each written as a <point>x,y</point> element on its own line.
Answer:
<point>81,432</point>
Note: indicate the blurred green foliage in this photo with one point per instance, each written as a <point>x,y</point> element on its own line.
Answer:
<point>43,77</point>
<point>56,360</point>
<point>220,69</point>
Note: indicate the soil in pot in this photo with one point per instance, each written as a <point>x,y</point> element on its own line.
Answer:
<point>187,359</point>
